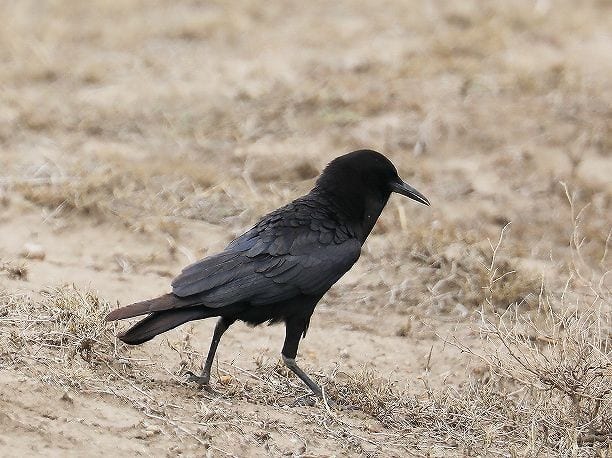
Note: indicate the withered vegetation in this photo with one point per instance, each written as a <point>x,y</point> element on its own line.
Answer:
<point>186,121</point>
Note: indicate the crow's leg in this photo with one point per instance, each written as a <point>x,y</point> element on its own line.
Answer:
<point>220,328</point>
<point>291,364</point>
<point>294,330</point>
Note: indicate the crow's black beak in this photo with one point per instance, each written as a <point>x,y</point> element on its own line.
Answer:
<point>405,189</point>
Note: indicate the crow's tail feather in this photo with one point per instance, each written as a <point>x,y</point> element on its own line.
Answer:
<point>158,304</point>
<point>159,322</point>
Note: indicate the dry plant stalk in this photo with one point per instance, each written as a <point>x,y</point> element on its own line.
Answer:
<point>556,363</point>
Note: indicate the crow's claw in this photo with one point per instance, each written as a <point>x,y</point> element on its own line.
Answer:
<point>191,377</point>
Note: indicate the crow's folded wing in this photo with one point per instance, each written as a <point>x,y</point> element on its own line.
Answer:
<point>271,263</point>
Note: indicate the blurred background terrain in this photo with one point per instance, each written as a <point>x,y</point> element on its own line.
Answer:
<point>137,137</point>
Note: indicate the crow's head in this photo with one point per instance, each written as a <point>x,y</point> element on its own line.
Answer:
<point>366,172</point>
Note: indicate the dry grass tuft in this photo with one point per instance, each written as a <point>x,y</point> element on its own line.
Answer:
<point>547,391</point>
<point>451,273</point>
<point>566,363</point>
<point>60,337</point>
<point>135,196</point>
<point>557,373</point>
<point>14,271</point>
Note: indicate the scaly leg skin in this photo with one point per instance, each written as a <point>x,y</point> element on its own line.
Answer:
<point>222,325</point>
<point>291,364</point>
<point>294,331</point>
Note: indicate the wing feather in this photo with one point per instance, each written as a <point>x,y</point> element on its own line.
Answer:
<point>304,252</point>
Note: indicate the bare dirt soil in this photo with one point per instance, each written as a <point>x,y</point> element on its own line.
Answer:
<point>137,137</point>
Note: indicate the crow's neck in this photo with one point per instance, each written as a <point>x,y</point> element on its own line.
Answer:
<point>357,211</point>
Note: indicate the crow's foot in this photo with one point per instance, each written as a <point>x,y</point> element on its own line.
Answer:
<point>201,380</point>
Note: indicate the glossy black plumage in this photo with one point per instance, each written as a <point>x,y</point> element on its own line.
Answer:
<point>292,251</point>
<point>280,269</point>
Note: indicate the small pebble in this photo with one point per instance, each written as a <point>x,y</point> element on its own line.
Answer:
<point>152,430</point>
<point>33,251</point>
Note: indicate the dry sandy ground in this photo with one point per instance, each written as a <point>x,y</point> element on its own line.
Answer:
<point>136,137</point>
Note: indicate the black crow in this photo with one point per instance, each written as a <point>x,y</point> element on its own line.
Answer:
<point>278,270</point>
